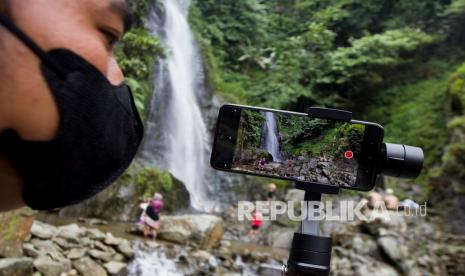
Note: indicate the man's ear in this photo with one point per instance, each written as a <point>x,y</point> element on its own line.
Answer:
<point>4,7</point>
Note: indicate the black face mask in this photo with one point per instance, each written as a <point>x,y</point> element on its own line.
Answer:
<point>99,132</point>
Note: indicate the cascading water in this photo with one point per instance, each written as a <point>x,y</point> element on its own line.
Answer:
<point>176,134</point>
<point>271,136</point>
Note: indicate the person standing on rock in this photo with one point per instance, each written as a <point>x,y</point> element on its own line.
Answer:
<point>143,206</point>
<point>271,192</point>
<point>257,221</point>
<point>68,123</point>
<point>152,216</point>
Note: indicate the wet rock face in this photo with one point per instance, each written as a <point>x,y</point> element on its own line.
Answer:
<point>120,201</point>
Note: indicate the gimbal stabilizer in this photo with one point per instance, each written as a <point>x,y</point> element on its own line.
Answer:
<point>310,253</point>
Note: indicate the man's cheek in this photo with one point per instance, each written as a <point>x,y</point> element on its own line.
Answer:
<point>114,73</point>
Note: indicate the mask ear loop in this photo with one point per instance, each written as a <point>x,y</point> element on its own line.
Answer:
<point>32,46</point>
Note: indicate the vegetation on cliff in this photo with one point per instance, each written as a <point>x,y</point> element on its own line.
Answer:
<point>391,62</point>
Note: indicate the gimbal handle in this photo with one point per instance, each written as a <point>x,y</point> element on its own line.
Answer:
<point>311,253</point>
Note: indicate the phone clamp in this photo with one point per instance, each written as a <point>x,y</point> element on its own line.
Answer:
<point>310,252</point>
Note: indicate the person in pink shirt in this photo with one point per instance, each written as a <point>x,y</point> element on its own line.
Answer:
<point>152,215</point>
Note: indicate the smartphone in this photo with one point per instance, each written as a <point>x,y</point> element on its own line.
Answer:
<point>293,146</point>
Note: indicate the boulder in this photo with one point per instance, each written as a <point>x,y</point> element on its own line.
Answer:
<point>76,253</point>
<point>204,230</point>
<point>72,233</point>
<point>118,257</point>
<point>120,201</point>
<point>125,247</point>
<point>100,255</point>
<point>111,240</point>
<point>43,230</point>
<point>16,266</point>
<point>14,230</point>
<point>30,251</point>
<point>116,268</point>
<point>47,266</point>
<point>95,234</point>
<point>64,244</point>
<point>282,238</point>
<point>87,266</point>
<point>294,195</point>
<point>103,247</point>
<point>396,252</point>
<point>46,246</point>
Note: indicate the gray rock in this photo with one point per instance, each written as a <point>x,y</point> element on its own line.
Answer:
<point>95,234</point>
<point>71,233</point>
<point>396,251</point>
<point>393,249</point>
<point>86,266</point>
<point>103,247</point>
<point>97,254</point>
<point>46,246</point>
<point>116,268</point>
<point>294,195</point>
<point>118,257</point>
<point>204,230</point>
<point>30,251</point>
<point>111,240</point>
<point>64,244</point>
<point>201,255</point>
<point>377,269</point>
<point>125,247</point>
<point>16,266</point>
<point>47,266</point>
<point>76,253</point>
<point>43,230</point>
<point>283,238</point>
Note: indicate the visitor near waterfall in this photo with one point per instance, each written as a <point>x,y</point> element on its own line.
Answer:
<point>68,123</point>
<point>151,215</point>
<point>271,191</point>
<point>256,222</point>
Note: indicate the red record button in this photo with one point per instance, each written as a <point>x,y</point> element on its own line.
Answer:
<point>349,154</point>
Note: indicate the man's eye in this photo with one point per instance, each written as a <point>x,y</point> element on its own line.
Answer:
<point>110,37</point>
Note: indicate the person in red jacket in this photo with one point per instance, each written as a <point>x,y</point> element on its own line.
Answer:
<point>257,221</point>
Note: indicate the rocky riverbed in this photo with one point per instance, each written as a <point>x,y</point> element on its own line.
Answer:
<point>206,244</point>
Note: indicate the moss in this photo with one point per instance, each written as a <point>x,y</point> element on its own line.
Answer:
<point>13,227</point>
<point>456,90</point>
<point>454,160</point>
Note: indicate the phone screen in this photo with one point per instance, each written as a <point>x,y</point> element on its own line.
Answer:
<point>294,146</point>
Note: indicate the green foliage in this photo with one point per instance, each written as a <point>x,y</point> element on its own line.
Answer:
<point>413,114</point>
<point>456,91</point>
<point>252,123</point>
<point>389,61</point>
<point>148,180</point>
<point>454,160</point>
<point>136,55</point>
<point>370,55</point>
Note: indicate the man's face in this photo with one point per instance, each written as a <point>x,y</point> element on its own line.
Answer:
<point>90,28</point>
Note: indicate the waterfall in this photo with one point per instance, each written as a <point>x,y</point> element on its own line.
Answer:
<point>176,134</point>
<point>271,136</point>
